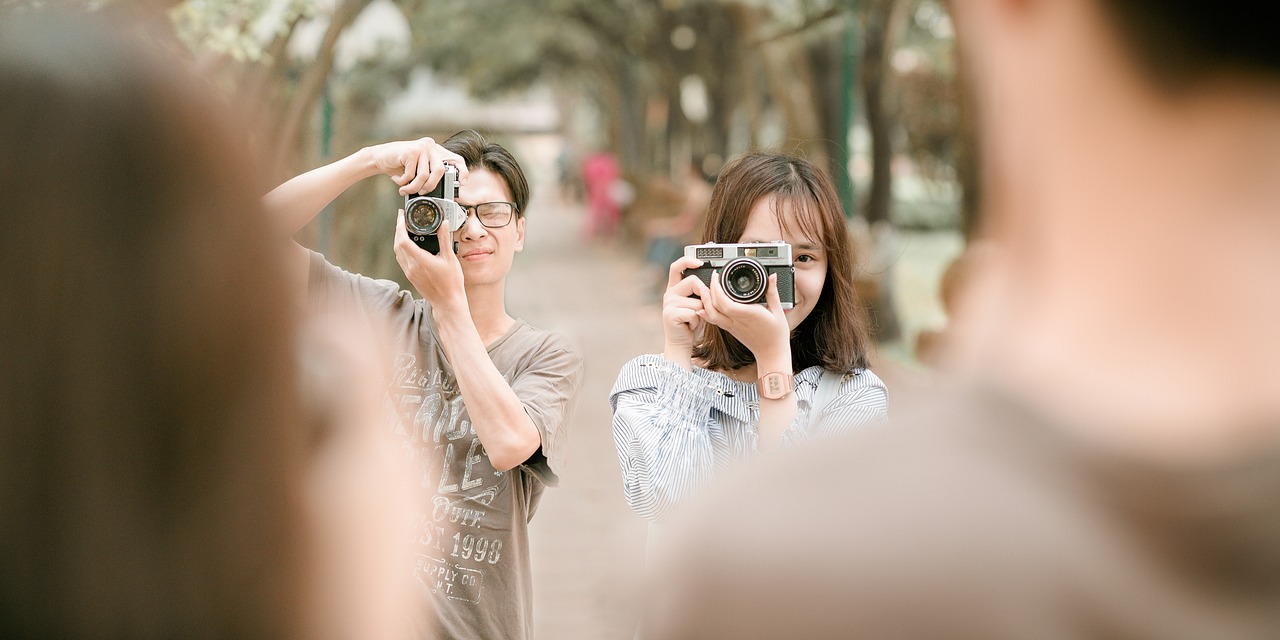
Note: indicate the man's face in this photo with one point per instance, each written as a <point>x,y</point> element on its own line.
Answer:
<point>486,253</point>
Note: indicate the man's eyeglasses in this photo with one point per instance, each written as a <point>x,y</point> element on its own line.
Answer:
<point>492,215</point>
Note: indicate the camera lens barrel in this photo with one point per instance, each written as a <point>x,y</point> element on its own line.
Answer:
<point>422,216</point>
<point>744,280</point>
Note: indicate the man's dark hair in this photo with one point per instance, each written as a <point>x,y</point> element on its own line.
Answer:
<point>479,152</point>
<point>1180,42</point>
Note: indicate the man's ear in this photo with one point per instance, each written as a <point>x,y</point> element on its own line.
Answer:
<point>519,233</point>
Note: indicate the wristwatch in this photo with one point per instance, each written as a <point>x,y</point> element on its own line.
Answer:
<point>775,385</point>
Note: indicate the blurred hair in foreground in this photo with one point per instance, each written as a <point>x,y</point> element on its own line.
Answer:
<point>150,444</point>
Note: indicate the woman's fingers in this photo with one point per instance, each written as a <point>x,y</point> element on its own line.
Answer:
<point>714,302</point>
<point>685,316</point>
<point>676,273</point>
<point>773,301</point>
<point>688,288</point>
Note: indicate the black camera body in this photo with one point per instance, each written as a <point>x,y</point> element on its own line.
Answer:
<point>425,212</point>
<point>745,269</point>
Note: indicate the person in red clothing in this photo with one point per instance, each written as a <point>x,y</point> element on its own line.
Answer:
<point>601,180</point>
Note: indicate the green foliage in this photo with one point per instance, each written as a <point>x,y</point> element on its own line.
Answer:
<point>507,46</point>
<point>238,29</point>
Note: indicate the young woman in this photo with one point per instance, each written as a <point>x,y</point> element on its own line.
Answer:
<point>736,378</point>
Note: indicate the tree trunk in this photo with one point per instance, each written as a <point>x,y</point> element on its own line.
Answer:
<point>634,99</point>
<point>789,80</point>
<point>312,83</point>
<point>880,195</point>
<point>876,44</point>
<point>826,57</point>
<point>968,157</point>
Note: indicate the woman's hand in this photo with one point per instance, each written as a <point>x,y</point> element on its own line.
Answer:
<point>681,311</point>
<point>415,165</point>
<point>437,277</point>
<point>761,328</point>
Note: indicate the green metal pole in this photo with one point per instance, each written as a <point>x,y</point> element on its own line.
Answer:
<point>326,141</point>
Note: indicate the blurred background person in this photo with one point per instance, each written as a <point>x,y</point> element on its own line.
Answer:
<point>1105,460</point>
<point>160,474</point>
<point>600,181</point>
<point>665,237</point>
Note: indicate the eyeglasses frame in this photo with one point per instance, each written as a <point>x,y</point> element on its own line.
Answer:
<point>473,209</point>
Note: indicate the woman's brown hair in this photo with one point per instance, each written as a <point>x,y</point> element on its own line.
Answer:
<point>835,335</point>
<point>151,454</point>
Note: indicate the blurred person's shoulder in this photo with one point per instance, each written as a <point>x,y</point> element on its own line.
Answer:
<point>970,515</point>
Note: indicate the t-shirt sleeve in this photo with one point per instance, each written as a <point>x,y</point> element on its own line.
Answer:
<point>548,388</point>
<point>329,287</point>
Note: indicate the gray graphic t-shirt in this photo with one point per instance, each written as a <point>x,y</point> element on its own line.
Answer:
<point>472,527</point>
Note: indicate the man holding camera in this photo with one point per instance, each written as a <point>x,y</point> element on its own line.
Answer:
<point>483,396</point>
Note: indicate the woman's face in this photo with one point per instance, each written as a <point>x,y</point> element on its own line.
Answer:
<point>808,253</point>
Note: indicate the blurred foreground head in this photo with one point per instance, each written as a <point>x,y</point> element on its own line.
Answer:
<point>1129,158</point>
<point>150,449</point>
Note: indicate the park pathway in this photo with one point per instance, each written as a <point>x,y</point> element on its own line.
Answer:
<point>587,546</point>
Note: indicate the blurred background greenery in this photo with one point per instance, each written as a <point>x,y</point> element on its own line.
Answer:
<point>867,88</point>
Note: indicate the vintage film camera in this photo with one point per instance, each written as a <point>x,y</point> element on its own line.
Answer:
<point>425,212</point>
<point>745,268</point>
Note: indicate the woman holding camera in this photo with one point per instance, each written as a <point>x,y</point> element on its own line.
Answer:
<point>737,375</point>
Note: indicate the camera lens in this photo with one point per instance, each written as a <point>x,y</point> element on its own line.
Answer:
<point>744,280</point>
<point>423,217</point>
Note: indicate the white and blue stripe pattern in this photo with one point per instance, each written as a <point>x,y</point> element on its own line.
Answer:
<point>674,429</point>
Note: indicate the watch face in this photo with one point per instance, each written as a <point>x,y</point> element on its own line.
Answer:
<point>775,385</point>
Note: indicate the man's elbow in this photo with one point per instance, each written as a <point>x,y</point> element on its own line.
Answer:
<point>514,452</point>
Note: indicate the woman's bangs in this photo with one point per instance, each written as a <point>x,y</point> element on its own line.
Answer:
<point>807,220</point>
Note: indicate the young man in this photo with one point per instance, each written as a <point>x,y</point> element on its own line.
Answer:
<point>1104,461</point>
<point>483,396</point>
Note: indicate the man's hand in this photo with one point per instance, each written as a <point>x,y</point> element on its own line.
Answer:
<point>415,165</point>
<point>438,277</point>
